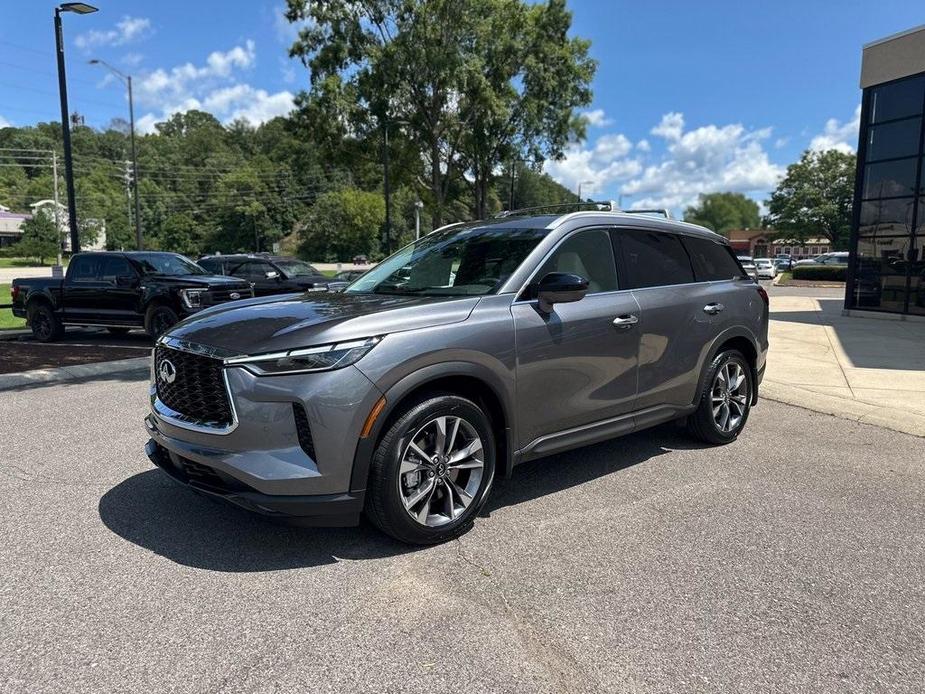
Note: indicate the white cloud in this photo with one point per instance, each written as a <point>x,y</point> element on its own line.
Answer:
<point>597,167</point>
<point>131,59</point>
<point>670,127</point>
<point>286,32</point>
<point>644,146</point>
<point>211,87</point>
<point>837,135</point>
<point>596,118</point>
<point>127,30</point>
<point>707,159</point>
<point>4,123</point>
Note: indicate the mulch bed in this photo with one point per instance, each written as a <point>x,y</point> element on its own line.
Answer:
<point>811,283</point>
<point>26,356</point>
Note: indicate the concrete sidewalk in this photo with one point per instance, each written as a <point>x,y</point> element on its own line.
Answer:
<point>864,369</point>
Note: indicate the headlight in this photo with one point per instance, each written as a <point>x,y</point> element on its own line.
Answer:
<point>322,358</point>
<point>192,298</point>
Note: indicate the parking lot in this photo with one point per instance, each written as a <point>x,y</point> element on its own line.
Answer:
<point>21,352</point>
<point>791,560</point>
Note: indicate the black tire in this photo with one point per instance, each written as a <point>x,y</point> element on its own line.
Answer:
<point>702,424</point>
<point>384,505</point>
<point>159,318</point>
<point>45,325</point>
<point>118,331</point>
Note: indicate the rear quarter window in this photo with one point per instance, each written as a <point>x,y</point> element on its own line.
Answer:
<point>712,261</point>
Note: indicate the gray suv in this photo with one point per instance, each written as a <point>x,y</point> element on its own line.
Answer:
<point>478,347</point>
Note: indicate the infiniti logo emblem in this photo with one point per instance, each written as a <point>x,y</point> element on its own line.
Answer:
<point>167,372</point>
<point>234,295</point>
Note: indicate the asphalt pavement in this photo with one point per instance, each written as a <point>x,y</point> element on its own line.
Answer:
<point>789,561</point>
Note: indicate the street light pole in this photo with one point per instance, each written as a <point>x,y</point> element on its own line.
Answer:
<point>127,81</point>
<point>418,206</point>
<point>387,187</point>
<point>79,8</point>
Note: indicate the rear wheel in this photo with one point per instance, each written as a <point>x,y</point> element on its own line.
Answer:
<point>159,318</point>
<point>725,400</point>
<point>431,471</point>
<point>45,325</point>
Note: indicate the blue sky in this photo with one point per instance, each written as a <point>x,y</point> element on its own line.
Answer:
<point>689,97</point>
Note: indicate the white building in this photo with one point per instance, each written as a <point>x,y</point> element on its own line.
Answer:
<point>47,207</point>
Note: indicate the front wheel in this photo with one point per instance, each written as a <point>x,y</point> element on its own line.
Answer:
<point>160,318</point>
<point>725,400</point>
<point>432,471</point>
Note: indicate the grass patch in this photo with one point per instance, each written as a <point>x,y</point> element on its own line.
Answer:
<point>329,273</point>
<point>23,262</point>
<point>7,320</point>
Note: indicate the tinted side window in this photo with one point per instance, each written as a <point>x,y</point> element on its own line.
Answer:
<point>116,266</point>
<point>588,254</point>
<point>654,259</point>
<point>712,261</point>
<point>83,269</point>
<point>213,265</point>
<point>252,271</point>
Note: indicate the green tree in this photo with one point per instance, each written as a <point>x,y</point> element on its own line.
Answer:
<point>39,238</point>
<point>468,82</point>
<point>181,234</point>
<point>815,197</point>
<point>342,224</point>
<point>722,212</point>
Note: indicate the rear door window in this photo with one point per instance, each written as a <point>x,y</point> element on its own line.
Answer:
<point>115,267</point>
<point>84,268</point>
<point>712,261</point>
<point>653,259</point>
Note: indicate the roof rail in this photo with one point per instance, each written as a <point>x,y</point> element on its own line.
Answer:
<point>596,206</point>
<point>607,206</point>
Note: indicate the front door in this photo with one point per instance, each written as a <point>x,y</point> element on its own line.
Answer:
<point>576,366</point>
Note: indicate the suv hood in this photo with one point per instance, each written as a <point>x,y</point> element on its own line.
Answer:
<point>278,323</point>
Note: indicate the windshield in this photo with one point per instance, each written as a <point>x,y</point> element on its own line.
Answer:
<point>294,268</point>
<point>470,260</point>
<point>166,264</point>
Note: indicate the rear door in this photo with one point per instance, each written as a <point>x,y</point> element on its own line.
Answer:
<point>83,289</point>
<point>576,366</point>
<point>679,315</point>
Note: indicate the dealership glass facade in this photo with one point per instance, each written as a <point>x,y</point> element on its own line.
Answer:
<point>888,240</point>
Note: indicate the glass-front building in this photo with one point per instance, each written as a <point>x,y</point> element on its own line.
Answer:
<point>887,266</point>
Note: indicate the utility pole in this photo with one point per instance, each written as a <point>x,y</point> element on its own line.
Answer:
<point>54,179</point>
<point>128,190</point>
<point>510,202</point>
<point>418,205</point>
<point>387,188</point>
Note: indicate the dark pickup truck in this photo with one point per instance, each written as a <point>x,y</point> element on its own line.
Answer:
<point>121,291</point>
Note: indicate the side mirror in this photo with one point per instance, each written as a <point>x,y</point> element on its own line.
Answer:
<point>560,288</point>
<point>272,275</point>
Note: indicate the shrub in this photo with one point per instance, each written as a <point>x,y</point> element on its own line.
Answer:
<point>827,273</point>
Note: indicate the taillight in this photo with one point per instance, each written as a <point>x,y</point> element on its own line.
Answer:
<point>14,292</point>
<point>764,295</point>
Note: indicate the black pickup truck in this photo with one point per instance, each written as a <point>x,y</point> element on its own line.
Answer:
<point>121,291</point>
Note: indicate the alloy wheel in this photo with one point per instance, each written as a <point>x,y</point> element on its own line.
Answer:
<point>441,471</point>
<point>729,397</point>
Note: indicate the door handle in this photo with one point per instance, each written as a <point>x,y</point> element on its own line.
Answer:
<point>626,320</point>
<point>713,309</point>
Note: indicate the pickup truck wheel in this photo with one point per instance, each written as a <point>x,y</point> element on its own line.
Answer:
<point>159,319</point>
<point>45,325</point>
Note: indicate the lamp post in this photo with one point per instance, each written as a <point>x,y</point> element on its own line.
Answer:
<point>418,206</point>
<point>127,81</point>
<point>78,8</point>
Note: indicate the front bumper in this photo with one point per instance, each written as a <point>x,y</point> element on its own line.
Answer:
<point>330,510</point>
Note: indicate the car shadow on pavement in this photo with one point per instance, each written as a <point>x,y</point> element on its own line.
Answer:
<point>152,511</point>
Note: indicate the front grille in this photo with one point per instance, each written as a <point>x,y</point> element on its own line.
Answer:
<point>220,296</point>
<point>197,390</point>
<point>303,430</point>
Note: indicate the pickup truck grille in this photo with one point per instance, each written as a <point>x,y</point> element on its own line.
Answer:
<point>197,390</point>
<point>220,296</point>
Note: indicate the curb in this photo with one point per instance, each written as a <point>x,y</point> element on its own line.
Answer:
<point>855,410</point>
<point>79,372</point>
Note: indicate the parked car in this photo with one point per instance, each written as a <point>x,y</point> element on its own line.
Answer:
<point>748,264</point>
<point>471,350</point>
<point>834,258</point>
<point>342,279</point>
<point>268,274</point>
<point>766,268</point>
<point>360,260</point>
<point>784,263</point>
<point>121,291</point>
